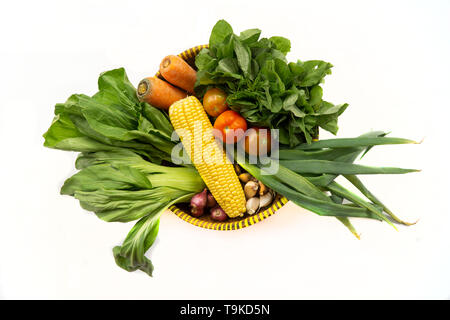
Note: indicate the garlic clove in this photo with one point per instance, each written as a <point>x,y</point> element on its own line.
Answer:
<point>250,189</point>
<point>265,199</point>
<point>252,205</point>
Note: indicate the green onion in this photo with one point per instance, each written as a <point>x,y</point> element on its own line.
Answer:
<point>353,142</point>
<point>342,192</point>
<point>360,186</point>
<point>336,167</point>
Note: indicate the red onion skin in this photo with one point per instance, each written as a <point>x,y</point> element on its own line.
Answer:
<point>218,214</point>
<point>198,203</point>
<point>210,201</point>
<point>197,212</point>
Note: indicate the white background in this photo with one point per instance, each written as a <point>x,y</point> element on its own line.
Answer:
<point>391,64</point>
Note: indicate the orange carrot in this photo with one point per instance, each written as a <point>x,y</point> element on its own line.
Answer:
<point>158,93</point>
<point>178,72</point>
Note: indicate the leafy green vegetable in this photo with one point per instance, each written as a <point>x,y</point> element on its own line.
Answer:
<point>304,175</point>
<point>281,43</point>
<point>184,178</point>
<point>121,186</point>
<point>266,89</point>
<point>336,167</point>
<point>131,255</point>
<point>354,142</point>
<point>112,118</point>
<point>221,30</point>
<point>123,143</point>
<point>360,186</point>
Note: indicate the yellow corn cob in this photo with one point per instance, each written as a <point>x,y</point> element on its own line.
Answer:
<point>195,130</point>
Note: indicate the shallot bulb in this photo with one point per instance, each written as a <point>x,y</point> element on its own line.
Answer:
<point>218,214</point>
<point>198,203</point>
<point>210,201</point>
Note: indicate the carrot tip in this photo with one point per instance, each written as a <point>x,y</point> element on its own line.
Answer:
<point>166,62</point>
<point>142,88</point>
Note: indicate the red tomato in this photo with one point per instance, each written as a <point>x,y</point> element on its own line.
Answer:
<point>257,141</point>
<point>231,126</point>
<point>215,102</point>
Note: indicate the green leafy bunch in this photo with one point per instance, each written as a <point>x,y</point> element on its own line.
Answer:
<point>110,119</point>
<point>123,170</point>
<point>264,87</point>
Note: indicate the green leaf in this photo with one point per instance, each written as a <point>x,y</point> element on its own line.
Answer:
<point>63,135</point>
<point>315,96</point>
<point>284,72</point>
<point>204,60</point>
<point>277,105</point>
<point>106,177</point>
<point>336,167</point>
<point>297,69</point>
<point>341,191</point>
<point>225,49</point>
<point>315,71</point>
<point>249,36</point>
<point>112,118</point>
<point>62,128</point>
<point>360,186</point>
<point>290,100</point>
<point>228,65</point>
<point>323,154</point>
<point>264,71</point>
<point>131,255</point>
<point>120,89</point>
<point>354,142</point>
<point>127,205</point>
<point>220,31</point>
<point>243,56</point>
<point>282,44</point>
<point>321,207</point>
<point>184,178</point>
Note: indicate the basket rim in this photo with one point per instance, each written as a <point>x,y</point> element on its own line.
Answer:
<point>230,225</point>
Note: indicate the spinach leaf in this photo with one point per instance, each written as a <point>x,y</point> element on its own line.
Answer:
<point>243,56</point>
<point>282,44</point>
<point>315,71</point>
<point>266,89</point>
<point>249,36</point>
<point>221,30</point>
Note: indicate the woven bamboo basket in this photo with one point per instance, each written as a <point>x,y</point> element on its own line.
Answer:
<point>205,221</point>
